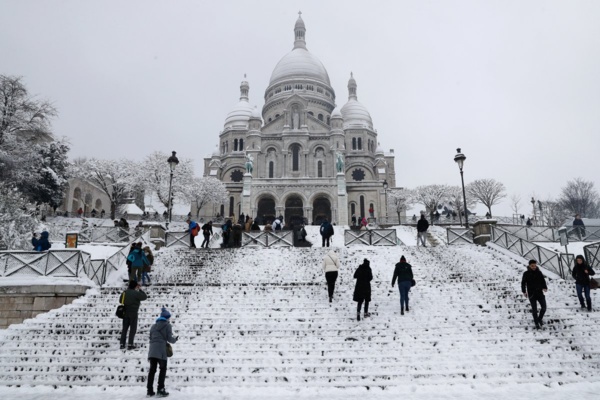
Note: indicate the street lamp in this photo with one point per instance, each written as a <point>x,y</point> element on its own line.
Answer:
<point>460,160</point>
<point>385,188</point>
<point>173,161</point>
<point>541,212</point>
<point>533,205</point>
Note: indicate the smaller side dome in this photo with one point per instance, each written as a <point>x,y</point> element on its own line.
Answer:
<point>256,113</point>
<point>354,113</point>
<point>336,113</point>
<point>216,152</point>
<point>379,149</point>
<point>242,111</point>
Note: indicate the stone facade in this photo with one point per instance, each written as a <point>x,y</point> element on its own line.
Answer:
<point>302,157</point>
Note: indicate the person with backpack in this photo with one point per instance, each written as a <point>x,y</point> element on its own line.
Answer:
<point>326,232</point>
<point>582,273</point>
<point>161,333</point>
<point>362,289</point>
<point>226,228</point>
<point>41,244</point>
<point>533,286</point>
<point>193,229</point>
<point>422,227</point>
<point>207,233</point>
<point>147,268</point>
<point>403,272</point>
<point>331,265</point>
<point>277,225</point>
<point>131,299</point>
<point>138,262</point>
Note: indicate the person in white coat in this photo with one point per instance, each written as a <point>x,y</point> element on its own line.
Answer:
<point>331,265</point>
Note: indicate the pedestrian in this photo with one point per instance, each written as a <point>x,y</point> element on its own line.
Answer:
<point>362,289</point>
<point>522,218</point>
<point>533,286</point>
<point>403,272</point>
<point>582,273</point>
<point>42,243</point>
<point>579,227</point>
<point>268,228</point>
<point>301,234</point>
<point>138,263</point>
<point>123,226</point>
<point>161,333</point>
<point>248,225</point>
<point>422,227</point>
<point>353,220</point>
<point>371,211</point>
<point>102,213</point>
<point>131,299</point>
<point>80,212</point>
<point>193,229</point>
<point>529,223</point>
<point>331,265</point>
<point>147,268</point>
<point>277,224</point>
<point>326,232</point>
<point>207,232</point>
<point>364,223</point>
<point>236,232</point>
<point>94,212</point>
<point>226,229</point>
<point>255,226</point>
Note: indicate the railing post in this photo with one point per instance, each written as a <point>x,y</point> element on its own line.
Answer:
<point>47,255</point>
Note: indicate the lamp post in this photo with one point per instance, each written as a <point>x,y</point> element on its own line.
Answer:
<point>460,160</point>
<point>541,212</point>
<point>385,188</point>
<point>533,205</point>
<point>173,161</point>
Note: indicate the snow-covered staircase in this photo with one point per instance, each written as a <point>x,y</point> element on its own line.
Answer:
<point>253,318</point>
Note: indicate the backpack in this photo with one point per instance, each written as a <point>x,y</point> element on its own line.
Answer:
<point>277,226</point>
<point>225,228</point>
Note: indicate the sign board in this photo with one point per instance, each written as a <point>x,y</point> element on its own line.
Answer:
<point>564,238</point>
<point>71,240</point>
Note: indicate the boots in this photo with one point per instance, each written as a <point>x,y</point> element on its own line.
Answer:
<point>406,307</point>
<point>161,393</point>
<point>358,316</point>
<point>402,311</point>
<point>589,305</point>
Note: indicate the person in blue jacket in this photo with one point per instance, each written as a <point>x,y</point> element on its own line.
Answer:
<point>138,262</point>
<point>41,244</point>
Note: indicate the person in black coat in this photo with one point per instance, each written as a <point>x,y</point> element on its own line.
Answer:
<point>422,227</point>
<point>41,244</point>
<point>533,286</point>
<point>403,272</point>
<point>582,273</point>
<point>206,232</point>
<point>362,290</point>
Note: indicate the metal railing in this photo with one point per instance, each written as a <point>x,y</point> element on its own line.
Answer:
<point>545,234</point>
<point>556,262</point>
<point>371,237</point>
<point>68,263</point>
<point>177,239</point>
<point>459,235</point>
<point>592,254</point>
<point>268,239</point>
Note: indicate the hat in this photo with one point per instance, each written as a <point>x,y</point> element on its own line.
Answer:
<point>165,313</point>
<point>402,259</point>
<point>366,262</point>
<point>580,257</point>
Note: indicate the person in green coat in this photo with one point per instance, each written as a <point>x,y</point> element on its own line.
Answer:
<point>131,299</point>
<point>403,272</point>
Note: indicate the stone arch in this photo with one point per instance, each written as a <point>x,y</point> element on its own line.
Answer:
<point>294,208</point>
<point>98,205</point>
<point>87,205</point>
<point>321,204</point>
<point>76,202</point>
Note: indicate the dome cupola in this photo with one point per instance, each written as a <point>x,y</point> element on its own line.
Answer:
<point>355,114</point>
<point>240,114</point>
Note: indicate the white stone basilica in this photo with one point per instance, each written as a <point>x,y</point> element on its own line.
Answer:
<point>303,157</point>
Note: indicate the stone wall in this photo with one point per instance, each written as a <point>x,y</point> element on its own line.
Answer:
<point>18,303</point>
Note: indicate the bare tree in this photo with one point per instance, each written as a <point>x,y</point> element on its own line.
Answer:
<point>431,196</point>
<point>487,191</point>
<point>580,197</point>
<point>21,112</point>
<point>399,199</point>
<point>515,201</point>
<point>553,213</point>
<point>204,191</point>
<point>455,196</point>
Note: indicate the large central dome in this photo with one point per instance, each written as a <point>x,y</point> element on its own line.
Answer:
<point>299,63</point>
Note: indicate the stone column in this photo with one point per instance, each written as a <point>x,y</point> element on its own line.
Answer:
<point>342,197</point>
<point>247,193</point>
<point>308,214</point>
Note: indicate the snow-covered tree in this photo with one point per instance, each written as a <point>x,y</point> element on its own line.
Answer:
<point>47,181</point>
<point>22,112</point>
<point>580,197</point>
<point>431,196</point>
<point>399,199</point>
<point>205,191</point>
<point>118,179</point>
<point>155,175</point>
<point>487,191</point>
<point>16,222</point>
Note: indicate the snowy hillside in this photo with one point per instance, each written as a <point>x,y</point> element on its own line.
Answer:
<point>256,323</point>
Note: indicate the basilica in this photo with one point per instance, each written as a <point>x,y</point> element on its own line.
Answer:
<point>302,157</point>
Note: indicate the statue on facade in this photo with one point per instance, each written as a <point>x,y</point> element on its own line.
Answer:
<point>339,164</point>
<point>249,163</point>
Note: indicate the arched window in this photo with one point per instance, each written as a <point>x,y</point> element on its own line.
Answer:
<point>227,146</point>
<point>352,209</point>
<point>320,117</point>
<point>320,169</point>
<point>231,206</point>
<point>353,143</point>
<point>295,157</point>
<point>235,145</point>
<point>271,169</point>
<point>311,113</point>
<point>222,210</point>
<point>241,144</point>
<point>360,143</point>
<point>328,120</point>
<point>362,206</point>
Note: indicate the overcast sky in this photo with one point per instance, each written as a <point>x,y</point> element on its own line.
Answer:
<point>515,84</point>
